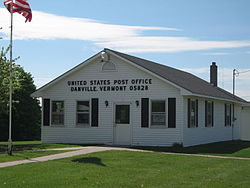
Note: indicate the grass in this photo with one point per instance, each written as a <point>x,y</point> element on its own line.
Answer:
<point>228,148</point>
<point>32,145</point>
<point>29,145</point>
<point>125,169</point>
<point>26,155</point>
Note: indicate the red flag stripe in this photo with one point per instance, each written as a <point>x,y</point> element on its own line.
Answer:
<point>20,6</point>
<point>17,1</point>
<point>22,2</point>
<point>15,7</point>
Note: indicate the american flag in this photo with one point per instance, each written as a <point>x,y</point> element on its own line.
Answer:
<point>20,6</point>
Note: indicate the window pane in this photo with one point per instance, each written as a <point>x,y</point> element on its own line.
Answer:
<point>192,121</point>
<point>83,118</point>
<point>158,106</point>
<point>57,119</point>
<point>108,66</point>
<point>83,106</point>
<point>122,114</point>
<point>228,117</point>
<point>57,106</point>
<point>192,108</point>
<point>209,114</point>
<point>57,113</point>
<point>158,115</point>
<point>228,120</point>
<point>192,113</point>
<point>158,119</point>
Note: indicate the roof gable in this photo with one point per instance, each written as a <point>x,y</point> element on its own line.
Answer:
<point>182,79</point>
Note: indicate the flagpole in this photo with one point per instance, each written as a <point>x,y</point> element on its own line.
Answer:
<point>10,97</point>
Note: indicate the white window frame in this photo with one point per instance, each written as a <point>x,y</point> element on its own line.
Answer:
<point>83,124</point>
<point>163,113</point>
<point>108,70</point>
<point>209,103</point>
<point>195,115</point>
<point>57,113</point>
<point>228,114</point>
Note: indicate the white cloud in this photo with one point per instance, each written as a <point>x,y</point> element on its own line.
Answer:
<point>49,26</point>
<point>169,44</point>
<point>216,53</point>
<point>120,37</point>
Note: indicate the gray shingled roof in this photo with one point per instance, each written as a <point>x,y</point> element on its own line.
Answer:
<point>183,79</point>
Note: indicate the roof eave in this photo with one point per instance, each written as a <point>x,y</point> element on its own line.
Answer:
<point>216,98</point>
<point>247,104</point>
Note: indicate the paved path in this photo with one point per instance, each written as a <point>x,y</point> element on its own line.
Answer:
<point>93,149</point>
<point>52,149</point>
<point>82,151</point>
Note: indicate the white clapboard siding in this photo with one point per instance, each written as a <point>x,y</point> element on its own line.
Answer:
<point>245,124</point>
<point>69,133</point>
<point>217,133</point>
<point>159,90</point>
<point>159,136</point>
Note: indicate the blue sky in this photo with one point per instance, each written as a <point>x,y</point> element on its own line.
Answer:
<point>187,35</point>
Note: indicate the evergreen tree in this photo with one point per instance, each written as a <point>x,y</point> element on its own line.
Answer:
<point>26,110</point>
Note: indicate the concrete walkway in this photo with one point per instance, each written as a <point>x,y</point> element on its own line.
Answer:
<point>81,151</point>
<point>93,149</point>
<point>52,149</point>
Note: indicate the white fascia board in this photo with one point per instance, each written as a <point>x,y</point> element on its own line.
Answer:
<point>149,72</point>
<point>185,92</point>
<point>38,92</point>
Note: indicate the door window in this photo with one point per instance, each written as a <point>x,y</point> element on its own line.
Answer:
<point>122,114</point>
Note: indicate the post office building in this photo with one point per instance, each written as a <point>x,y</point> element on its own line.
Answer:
<point>118,99</point>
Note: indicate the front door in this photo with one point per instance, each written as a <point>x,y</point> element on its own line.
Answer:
<point>122,126</point>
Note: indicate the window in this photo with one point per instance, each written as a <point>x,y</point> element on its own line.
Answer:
<point>158,113</point>
<point>227,114</point>
<point>57,113</point>
<point>108,66</point>
<point>82,113</point>
<point>192,113</point>
<point>209,113</point>
<point>122,114</point>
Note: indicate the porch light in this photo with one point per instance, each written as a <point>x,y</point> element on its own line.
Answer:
<point>106,103</point>
<point>137,103</point>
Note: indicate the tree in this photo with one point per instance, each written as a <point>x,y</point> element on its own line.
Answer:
<point>26,110</point>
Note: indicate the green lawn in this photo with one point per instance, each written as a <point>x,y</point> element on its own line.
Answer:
<point>228,148</point>
<point>124,169</point>
<point>26,155</point>
<point>29,145</point>
<point>33,145</point>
